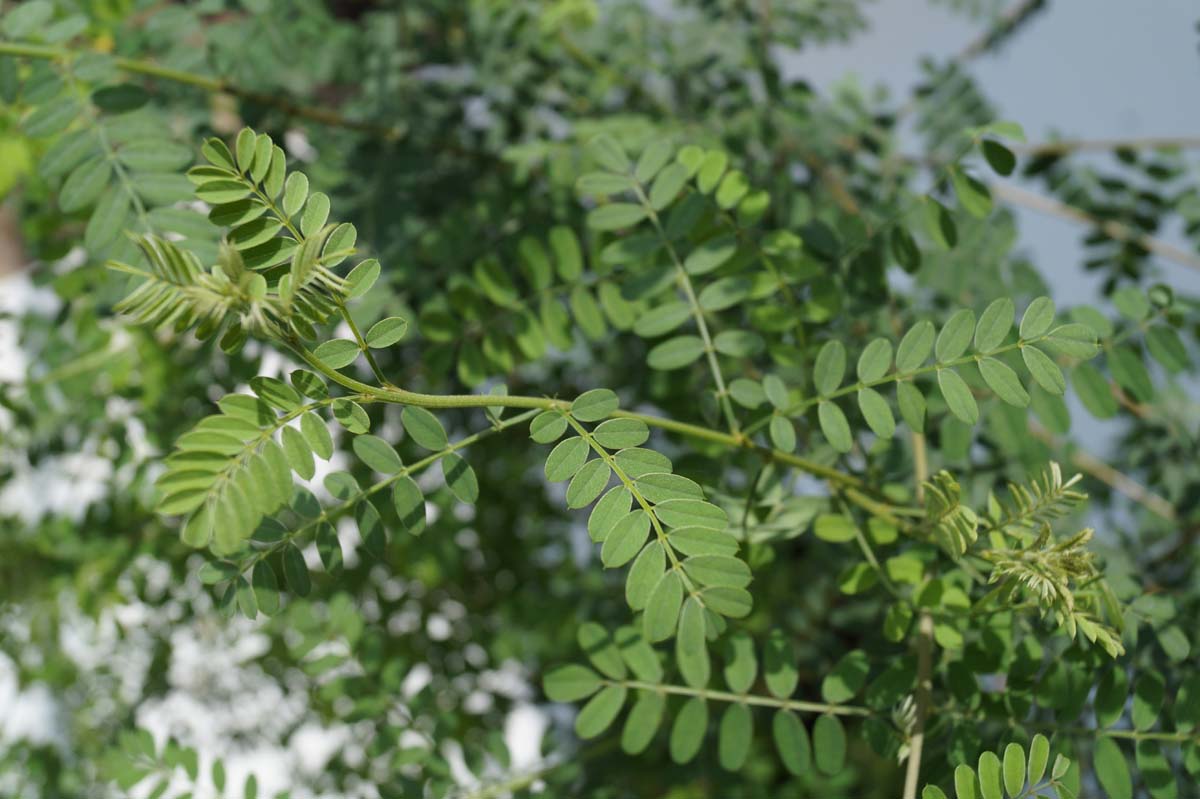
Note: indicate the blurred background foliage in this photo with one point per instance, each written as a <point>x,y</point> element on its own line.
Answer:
<point>450,132</point>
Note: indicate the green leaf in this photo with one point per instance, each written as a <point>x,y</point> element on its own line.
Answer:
<point>644,574</point>
<point>973,195</point>
<point>662,609</point>
<point>1044,370</point>
<point>108,220</point>
<point>1094,391</point>
<point>594,405</point>
<point>1004,381</point>
<point>1168,349</point>
<point>84,185</point>
<point>955,337</point>
<point>1156,771</point>
<point>829,368</point>
<point>691,650</point>
<point>734,736</point>
<point>1038,318</point>
<point>316,213</point>
<point>615,216</point>
<point>741,665</point>
<point>362,278</point>
<point>266,588</point>
<point>915,347</point>
<point>835,426</point>
<point>675,353</point>
<point>598,645</point>
<point>1039,758</point>
<point>610,155</point>
<point>875,360</point>
<point>666,186</point>
<point>829,744</point>
<point>611,508</point>
<point>912,405</point>
<point>792,742</point>
<point>691,513</point>
<point>1132,303</point>
<point>410,505</point>
<point>377,454</point>
<point>661,486</point>
<point>603,184</point>
<point>299,454</point>
<point>313,428</point>
<point>1148,692</point>
<point>779,665</point>
<point>460,479</point>
<point>999,157</point>
<point>1073,340</point>
<point>1187,704</point>
<point>718,570</point>
<point>547,427</point>
<point>600,711</point>
<point>964,782</point>
<point>626,538</point>
<point>309,384</point>
<point>424,428</point>
<point>588,483</point>
<point>834,527</point>
<point>338,352</point>
<point>1130,372</point>
<point>1112,771</point>
<point>847,678</point>
<point>989,776</point>
<point>994,324</point>
<point>621,433</point>
<point>25,18</point>
<point>386,332</point>
<point>939,223</point>
<point>958,396</point>
<point>932,792</point>
<point>687,733</point>
<point>877,412</point>
<point>1014,769</point>
<point>1111,694</point>
<point>643,721</point>
<point>783,433</point>
<point>711,255</point>
<point>295,570</point>
<point>710,170</point>
<point>905,249</point>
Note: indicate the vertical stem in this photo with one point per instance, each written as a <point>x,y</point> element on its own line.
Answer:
<point>916,742</point>
<point>685,284</point>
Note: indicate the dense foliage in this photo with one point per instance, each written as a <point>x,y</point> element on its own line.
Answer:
<point>556,398</point>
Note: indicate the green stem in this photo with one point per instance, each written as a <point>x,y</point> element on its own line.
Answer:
<point>215,85</point>
<point>869,554</point>
<point>746,699</point>
<point>335,511</point>
<point>685,283</point>
<point>403,397</point>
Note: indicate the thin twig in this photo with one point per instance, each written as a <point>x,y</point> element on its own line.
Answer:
<point>916,741</point>
<point>216,85</point>
<point>1068,146</point>
<point>1114,479</point>
<point>1113,229</point>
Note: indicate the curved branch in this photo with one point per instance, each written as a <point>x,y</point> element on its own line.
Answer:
<point>215,85</point>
